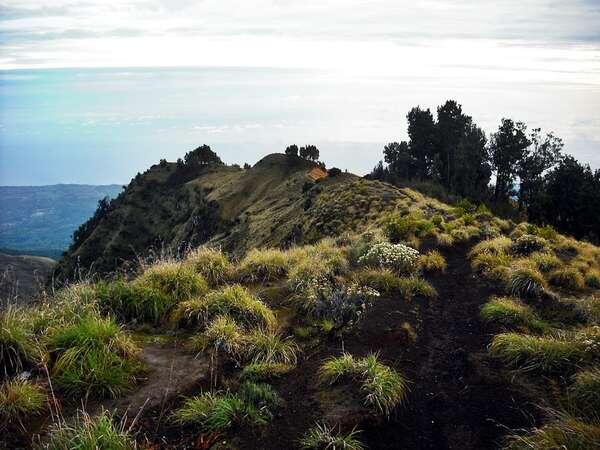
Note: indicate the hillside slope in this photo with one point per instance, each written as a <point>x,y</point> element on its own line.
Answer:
<point>22,276</point>
<point>271,204</point>
<point>416,325</point>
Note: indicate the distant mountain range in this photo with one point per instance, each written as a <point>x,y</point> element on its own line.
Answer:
<point>40,220</point>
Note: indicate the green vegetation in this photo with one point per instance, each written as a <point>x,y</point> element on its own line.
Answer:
<point>268,347</point>
<point>234,301</point>
<point>526,282</point>
<point>263,265</point>
<point>17,348</point>
<point>397,257</point>
<point>90,433</point>
<point>212,264</point>
<point>179,281</point>
<point>94,356</point>
<point>560,350</point>
<point>512,313</point>
<point>222,334</point>
<point>264,371</point>
<point>564,432</point>
<point>384,387</point>
<point>568,278</point>
<point>253,404</point>
<point>321,437</point>
<point>432,261</point>
<point>584,393</point>
<point>20,399</point>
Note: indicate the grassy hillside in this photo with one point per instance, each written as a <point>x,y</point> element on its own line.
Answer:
<point>22,276</point>
<point>344,314</point>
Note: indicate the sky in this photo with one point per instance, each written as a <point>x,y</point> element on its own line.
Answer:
<point>95,91</point>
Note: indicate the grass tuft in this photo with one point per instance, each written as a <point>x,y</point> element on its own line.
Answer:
<point>212,264</point>
<point>20,399</point>
<point>584,393</point>
<point>179,281</point>
<point>432,261</point>
<point>526,282</point>
<point>264,346</point>
<point>384,388</point>
<point>90,433</point>
<point>567,278</point>
<point>17,346</point>
<point>512,313</point>
<point>321,436</point>
<point>263,265</point>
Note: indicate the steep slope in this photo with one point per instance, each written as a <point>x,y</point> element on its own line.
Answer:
<point>22,276</point>
<point>271,204</point>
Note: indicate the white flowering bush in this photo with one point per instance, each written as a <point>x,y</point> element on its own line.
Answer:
<point>397,257</point>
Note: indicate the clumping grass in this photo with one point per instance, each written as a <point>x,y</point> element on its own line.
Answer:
<point>321,437</point>
<point>563,432</point>
<point>212,264</point>
<point>410,287</point>
<point>432,261</point>
<point>213,412</point>
<point>444,240</point>
<point>265,371</point>
<point>263,265</point>
<point>382,280</point>
<point>384,388</point>
<point>136,301</point>
<point>17,345</point>
<point>584,393</point>
<point>90,433</point>
<point>264,346</point>
<point>495,246</point>
<point>20,399</point>
<point>306,274</point>
<point>527,244</point>
<point>550,353</point>
<point>545,262</point>
<point>94,356</point>
<point>512,313</point>
<point>526,282</point>
<point>223,334</point>
<point>177,280</point>
<point>589,309</point>
<point>234,301</point>
<point>592,279</point>
<point>494,266</point>
<point>567,278</point>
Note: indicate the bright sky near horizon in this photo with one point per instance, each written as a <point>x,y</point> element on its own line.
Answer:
<point>342,73</point>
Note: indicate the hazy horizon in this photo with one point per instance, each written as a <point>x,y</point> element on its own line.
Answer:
<point>94,91</point>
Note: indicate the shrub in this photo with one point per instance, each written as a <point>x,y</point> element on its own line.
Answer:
<point>263,265</point>
<point>567,278</point>
<point>526,282</point>
<point>592,279</point>
<point>211,263</point>
<point>384,387</point>
<point>334,172</point>
<point>397,257</point>
<point>17,345</point>
<point>307,274</point>
<point>93,356</point>
<point>268,347</point>
<point>545,262</point>
<point>512,313</point>
<point>339,305</point>
<point>362,244</point>
<point>527,244</point>
<point>437,220</point>
<point>134,301</point>
<point>584,393</point>
<point>547,232</point>
<point>90,433</point>
<point>234,301</point>
<point>563,432</point>
<point>549,353</point>
<point>20,399</point>
<point>322,436</point>
<point>432,261</point>
<point>178,281</point>
<point>265,371</point>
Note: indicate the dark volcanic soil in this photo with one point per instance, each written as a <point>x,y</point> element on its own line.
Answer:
<point>458,399</point>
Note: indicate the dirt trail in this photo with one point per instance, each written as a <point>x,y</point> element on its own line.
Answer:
<point>173,372</point>
<point>458,400</point>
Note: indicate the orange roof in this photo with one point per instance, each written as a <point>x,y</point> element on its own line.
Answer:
<point>316,173</point>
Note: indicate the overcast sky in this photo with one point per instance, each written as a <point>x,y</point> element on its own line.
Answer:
<point>534,60</point>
